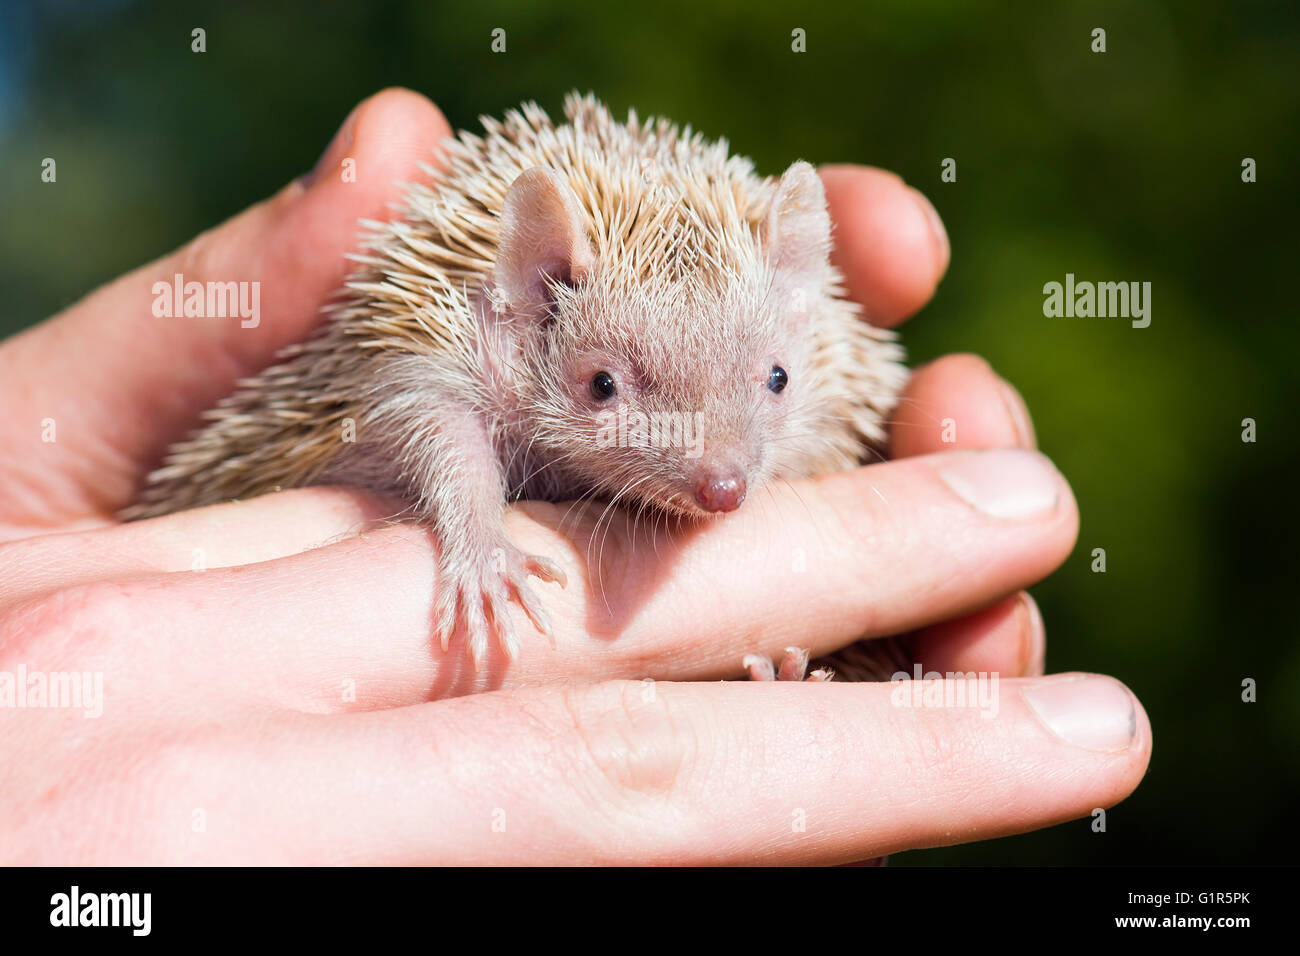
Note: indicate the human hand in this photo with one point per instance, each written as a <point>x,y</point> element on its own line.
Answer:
<point>289,700</point>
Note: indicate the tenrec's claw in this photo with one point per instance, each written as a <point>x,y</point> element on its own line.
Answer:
<point>793,667</point>
<point>546,569</point>
<point>500,620</point>
<point>480,596</point>
<point>795,664</point>
<point>445,614</point>
<point>533,608</point>
<point>759,667</point>
<point>476,628</point>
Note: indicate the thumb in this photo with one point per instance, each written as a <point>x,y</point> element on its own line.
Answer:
<point>120,383</point>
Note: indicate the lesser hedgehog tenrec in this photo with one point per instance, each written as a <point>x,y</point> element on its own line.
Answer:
<point>547,280</point>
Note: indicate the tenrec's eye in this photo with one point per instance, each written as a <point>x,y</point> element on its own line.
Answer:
<point>602,386</point>
<point>777,379</point>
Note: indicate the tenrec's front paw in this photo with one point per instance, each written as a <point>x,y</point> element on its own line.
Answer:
<point>794,666</point>
<point>481,589</point>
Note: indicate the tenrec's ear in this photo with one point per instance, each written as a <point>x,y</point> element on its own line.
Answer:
<point>799,227</point>
<point>542,233</point>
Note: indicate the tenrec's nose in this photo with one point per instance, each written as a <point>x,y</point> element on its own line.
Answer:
<point>716,493</point>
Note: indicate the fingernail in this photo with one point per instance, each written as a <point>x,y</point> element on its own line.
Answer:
<point>939,233</point>
<point>1004,483</point>
<point>1033,646</point>
<point>1095,713</point>
<point>1018,412</point>
<point>339,143</point>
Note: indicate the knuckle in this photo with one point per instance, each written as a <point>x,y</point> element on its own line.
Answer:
<point>934,746</point>
<point>200,257</point>
<point>180,759</point>
<point>632,737</point>
<point>866,525</point>
<point>70,618</point>
<point>73,611</point>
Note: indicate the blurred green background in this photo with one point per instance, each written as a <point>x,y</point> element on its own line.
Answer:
<point>1117,166</point>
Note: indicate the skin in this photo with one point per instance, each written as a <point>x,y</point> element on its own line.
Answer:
<point>228,732</point>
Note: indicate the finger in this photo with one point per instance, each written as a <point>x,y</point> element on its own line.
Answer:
<point>889,242</point>
<point>121,384</point>
<point>218,536</point>
<point>628,772</point>
<point>880,550</point>
<point>958,401</point>
<point>1007,638</point>
<point>277,525</point>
